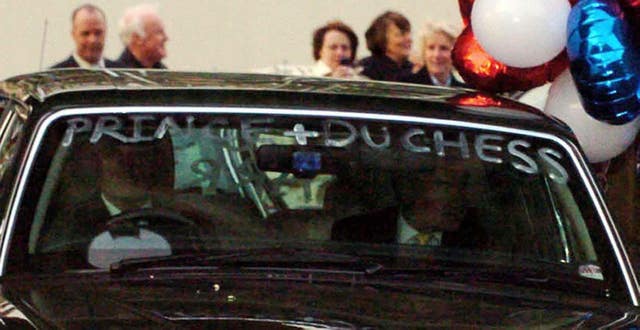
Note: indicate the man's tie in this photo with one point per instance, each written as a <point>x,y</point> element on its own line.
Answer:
<point>424,239</point>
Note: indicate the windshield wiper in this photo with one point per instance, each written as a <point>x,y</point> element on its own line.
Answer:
<point>540,278</point>
<point>261,258</point>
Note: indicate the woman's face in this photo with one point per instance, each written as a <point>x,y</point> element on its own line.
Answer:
<point>437,55</point>
<point>398,43</point>
<point>335,46</point>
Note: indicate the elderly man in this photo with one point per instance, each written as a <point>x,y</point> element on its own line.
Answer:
<point>142,33</point>
<point>88,32</point>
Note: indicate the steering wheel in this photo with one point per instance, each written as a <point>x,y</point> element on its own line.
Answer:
<point>164,222</point>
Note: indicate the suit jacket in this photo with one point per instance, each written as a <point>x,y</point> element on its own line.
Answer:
<point>71,229</point>
<point>70,62</point>
<point>127,60</point>
<point>381,227</point>
<point>423,77</point>
<point>384,68</point>
<point>378,227</point>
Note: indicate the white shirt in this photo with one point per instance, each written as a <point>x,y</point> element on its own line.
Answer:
<point>86,65</point>
<point>320,69</point>
<point>437,82</point>
<point>114,210</point>
<point>406,233</point>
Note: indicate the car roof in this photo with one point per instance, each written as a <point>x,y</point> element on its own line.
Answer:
<point>70,87</point>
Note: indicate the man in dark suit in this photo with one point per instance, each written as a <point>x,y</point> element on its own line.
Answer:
<point>122,182</point>
<point>88,32</point>
<point>430,209</point>
<point>142,33</point>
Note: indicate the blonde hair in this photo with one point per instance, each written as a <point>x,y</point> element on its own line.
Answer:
<point>428,30</point>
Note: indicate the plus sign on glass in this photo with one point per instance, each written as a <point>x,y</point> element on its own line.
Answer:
<point>300,134</point>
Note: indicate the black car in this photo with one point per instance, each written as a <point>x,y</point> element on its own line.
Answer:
<point>157,199</point>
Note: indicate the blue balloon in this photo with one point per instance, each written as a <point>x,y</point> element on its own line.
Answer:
<point>603,62</point>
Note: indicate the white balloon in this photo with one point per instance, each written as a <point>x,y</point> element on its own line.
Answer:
<point>521,33</point>
<point>536,97</point>
<point>599,140</point>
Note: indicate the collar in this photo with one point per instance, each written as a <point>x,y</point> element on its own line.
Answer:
<point>437,82</point>
<point>130,61</point>
<point>405,231</point>
<point>320,69</point>
<point>114,210</point>
<point>86,65</point>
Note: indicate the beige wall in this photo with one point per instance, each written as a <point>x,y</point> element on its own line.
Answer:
<point>210,35</point>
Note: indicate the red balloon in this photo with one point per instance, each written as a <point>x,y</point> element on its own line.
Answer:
<point>629,3</point>
<point>482,100</point>
<point>482,71</point>
<point>465,10</point>
<point>631,9</point>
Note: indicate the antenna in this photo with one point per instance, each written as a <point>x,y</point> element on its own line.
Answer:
<point>44,42</point>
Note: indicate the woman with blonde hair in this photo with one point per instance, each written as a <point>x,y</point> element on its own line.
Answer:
<point>435,43</point>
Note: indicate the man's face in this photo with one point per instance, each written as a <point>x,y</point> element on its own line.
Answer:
<point>152,45</point>
<point>433,201</point>
<point>125,174</point>
<point>88,33</point>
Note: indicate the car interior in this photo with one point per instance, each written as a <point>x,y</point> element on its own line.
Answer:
<point>219,191</point>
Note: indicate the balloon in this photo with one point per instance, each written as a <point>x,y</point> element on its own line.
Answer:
<point>465,10</point>
<point>599,140</point>
<point>603,61</point>
<point>488,104</point>
<point>467,5</point>
<point>521,33</point>
<point>631,9</point>
<point>482,71</point>
<point>536,97</point>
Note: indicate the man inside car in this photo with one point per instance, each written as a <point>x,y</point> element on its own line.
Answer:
<point>430,209</point>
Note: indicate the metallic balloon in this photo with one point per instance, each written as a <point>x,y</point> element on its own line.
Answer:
<point>465,10</point>
<point>467,5</point>
<point>629,4</point>
<point>631,9</point>
<point>483,72</point>
<point>603,62</point>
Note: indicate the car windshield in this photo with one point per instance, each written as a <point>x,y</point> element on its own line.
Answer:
<point>107,188</point>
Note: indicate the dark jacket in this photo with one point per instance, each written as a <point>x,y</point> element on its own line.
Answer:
<point>384,68</point>
<point>381,227</point>
<point>423,77</point>
<point>70,62</point>
<point>127,60</point>
<point>76,223</point>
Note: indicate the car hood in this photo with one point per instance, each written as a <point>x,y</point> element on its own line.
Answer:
<point>284,304</point>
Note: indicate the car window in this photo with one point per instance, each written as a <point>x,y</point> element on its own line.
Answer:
<point>117,187</point>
